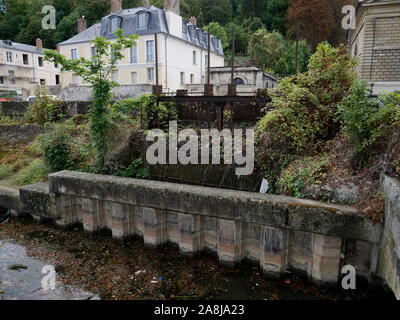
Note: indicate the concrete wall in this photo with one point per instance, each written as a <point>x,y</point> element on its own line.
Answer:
<point>15,134</point>
<point>279,233</point>
<point>84,93</point>
<point>389,266</point>
<point>17,109</point>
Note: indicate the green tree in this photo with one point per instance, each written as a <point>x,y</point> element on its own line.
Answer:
<point>96,71</point>
<point>272,52</point>
<point>217,30</point>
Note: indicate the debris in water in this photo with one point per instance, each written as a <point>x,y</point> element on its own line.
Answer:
<point>17,267</point>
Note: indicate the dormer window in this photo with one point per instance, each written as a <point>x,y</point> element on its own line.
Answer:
<point>184,27</point>
<point>115,22</point>
<point>142,21</point>
<point>215,42</point>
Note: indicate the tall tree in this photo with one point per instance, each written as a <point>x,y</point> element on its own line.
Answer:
<point>313,18</point>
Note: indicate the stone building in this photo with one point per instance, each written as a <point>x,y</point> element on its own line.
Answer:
<point>182,46</point>
<point>376,43</point>
<point>247,80</point>
<point>23,68</point>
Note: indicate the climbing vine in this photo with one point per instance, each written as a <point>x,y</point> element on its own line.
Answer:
<point>97,72</point>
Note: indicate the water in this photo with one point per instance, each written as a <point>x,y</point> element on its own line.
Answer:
<point>21,278</point>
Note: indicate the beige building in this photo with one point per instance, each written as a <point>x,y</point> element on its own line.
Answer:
<point>376,43</point>
<point>248,80</point>
<point>23,68</point>
<point>182,47</point>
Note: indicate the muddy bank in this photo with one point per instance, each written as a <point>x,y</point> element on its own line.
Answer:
<point>128,270</point>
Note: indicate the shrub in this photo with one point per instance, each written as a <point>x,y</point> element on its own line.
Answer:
<point>145,111</point>
<point>305,172</point>
<point>5,171</point>
<point>35,172</point>
<point>135,170</point>
<point>305,111</point>
<point>56,148</point>
<point>369,123</point>
<point>45,109</point>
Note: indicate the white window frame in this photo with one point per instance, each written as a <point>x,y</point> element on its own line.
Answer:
<point>150,51</point>
<point>9,56</point>
<point>134,54</point>
<point>74,54</point>
<point>183,78</point>
<point>150,74</point>
<point>195,58</point>
<point>134,76</point>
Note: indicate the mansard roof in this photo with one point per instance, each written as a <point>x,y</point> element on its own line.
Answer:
<point>156,22</point>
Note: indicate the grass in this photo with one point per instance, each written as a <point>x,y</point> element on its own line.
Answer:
<point>4,171</point>
<point>35,172</point>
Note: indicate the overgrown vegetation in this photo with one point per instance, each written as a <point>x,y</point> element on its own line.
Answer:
<point>326,138</point>
<point>97,71</point>
<point>145,112</point>
<point>305,110</point>
<point>45,108</point>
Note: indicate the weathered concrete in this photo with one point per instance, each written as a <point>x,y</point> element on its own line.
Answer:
<point>9,198</point>
<point>14,108</point>
<point>85,93</point>
<point>35,200</point>
<point>278,232</point>
<point>19,133</point>
<point>389,264</point>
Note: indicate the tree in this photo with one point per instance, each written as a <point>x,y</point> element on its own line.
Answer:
<point>96,71</point>
<point>313,18</point>
<point>275,54</point>
<point>216,11</point>
<point>217,30</point>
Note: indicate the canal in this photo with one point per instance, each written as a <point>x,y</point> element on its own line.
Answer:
<point>98,267</point>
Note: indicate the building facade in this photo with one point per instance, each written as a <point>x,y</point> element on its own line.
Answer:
<point>376,43</point>
<point>247,79</point>
<point>182,47</point>
<point>23,68</point>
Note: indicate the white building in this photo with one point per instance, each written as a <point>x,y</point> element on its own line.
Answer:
<point>182,46</point>
<point>23,68</point>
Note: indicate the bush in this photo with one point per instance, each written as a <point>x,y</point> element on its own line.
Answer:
<point>45,109</point>
<point>56,147</point>
<point>35,172</point>
<point>144,111</point>
<point>135,170</point>
<point>370,124</point>
<point>305,172</point>
<point>5,171</point>
<point>305,111</point>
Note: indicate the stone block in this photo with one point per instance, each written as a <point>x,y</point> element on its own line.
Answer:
<point>274,251</point>
<point>229,242</point>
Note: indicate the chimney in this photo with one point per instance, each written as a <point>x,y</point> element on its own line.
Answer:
<point>39,43</point>
<point>146,3</point>
<point>172,5</point>
<point>82,24</point>
<point>116,6</point>
<point>193,21</point>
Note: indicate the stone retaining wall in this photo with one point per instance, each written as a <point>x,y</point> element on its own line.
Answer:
<point>279,233</point>
<point>389,266</point>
